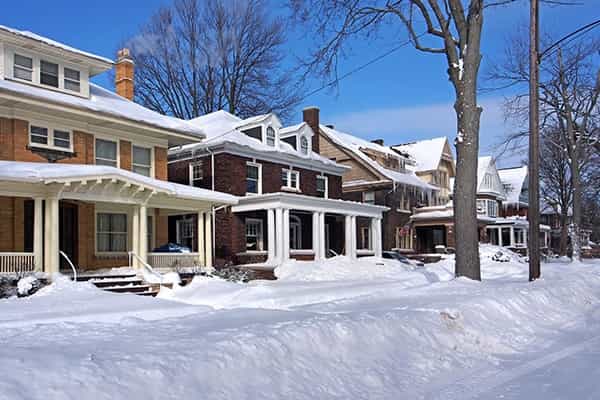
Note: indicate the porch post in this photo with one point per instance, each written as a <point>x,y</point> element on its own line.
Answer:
<point>512,236</point>
<point>316,235</point>
<point>271,235</point>
<point>135,235</point>
<point>143,234</point>
<point>279,234</point>
<point>286,235</point>
<point>376,236</point>
<point>201,239</point>
<point>51,246</point>
<point>500,237</point>
<point>348,235</point>
<point>209,240</point>
<point>353,236</point>
<point>38,235</point>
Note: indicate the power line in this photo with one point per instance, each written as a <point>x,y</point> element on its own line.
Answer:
<point>570,37</point>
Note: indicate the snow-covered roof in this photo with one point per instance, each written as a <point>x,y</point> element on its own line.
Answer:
<point>513,180</point>
<point>53,43</point>
<point>483,163</point>
<point>29,172</point>
<point>356,144</point>
<point>105,102</point>
<point>442,212</point>
<point>426,153</point>
<point>222,127</point>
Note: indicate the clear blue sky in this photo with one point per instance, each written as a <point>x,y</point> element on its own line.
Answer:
<point>404,97</point>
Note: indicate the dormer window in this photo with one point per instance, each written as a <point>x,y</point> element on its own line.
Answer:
<point>271,136</point>
<point>23,68</point>
<point>72,80</point>
<point>48,73</point>
<point>304,145</point>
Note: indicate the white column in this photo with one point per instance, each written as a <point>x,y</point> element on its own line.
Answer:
<point>353,236</point>
<point>377,245</point>
<point>316,235</point>
<point>279,234</point>
<point>51,249</point>
<point>209,239</point>
<point>286,235</point>
<point>348,235</point>
<point>201,239</point>
<point>143,234</point>
<point>321,242</point>
<point>135,235</point>
<point>271,235</point>
<point>500,237</point>
<point>38,235</point>
<point>512,236</point>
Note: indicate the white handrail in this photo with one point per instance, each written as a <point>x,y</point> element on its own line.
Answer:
<point>66,257</point>
<point>145,265</point>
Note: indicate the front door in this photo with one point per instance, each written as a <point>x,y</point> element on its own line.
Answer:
<point>68,233</point>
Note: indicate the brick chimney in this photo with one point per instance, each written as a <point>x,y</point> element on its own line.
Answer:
<point>310,115</point>
<point>124,74</point>
<point>378,141</point>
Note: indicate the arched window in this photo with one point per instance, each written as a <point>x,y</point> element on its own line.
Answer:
<point>271,136</point>
<point>304,145</point>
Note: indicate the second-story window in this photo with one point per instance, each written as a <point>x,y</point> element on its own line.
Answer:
<point>72,80</point>
<point>141,162</point>
<point>492,207</point>
<point>253,183</point>
<point>369,197</point>
<point>43,136</point>
<point>196,174</point>
<point>23,68</point>
<point>304,145</point>
<point>290,179</point>
<point>106,152</point>
<point>271,136</point>
<point>49,73</point>
<point>322,190</point>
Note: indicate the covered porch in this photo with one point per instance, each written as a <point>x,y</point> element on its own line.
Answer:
<point>95,217</point>
<point>280,226</point>
<point>514,234</point>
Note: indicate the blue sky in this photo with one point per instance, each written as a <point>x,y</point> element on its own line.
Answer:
<point>403,97</point>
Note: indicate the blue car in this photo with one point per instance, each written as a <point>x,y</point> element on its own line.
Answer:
<point>172,248</point>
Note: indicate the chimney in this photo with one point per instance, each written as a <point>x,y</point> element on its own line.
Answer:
<point>124,74</point>
<point>378,141</point>
<point>310,115</point>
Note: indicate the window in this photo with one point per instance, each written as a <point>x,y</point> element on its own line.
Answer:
<point>49,73</point>
<point>290,179</point>
<point>505,232</point>
<point>185,232</point>
<point>404,201</point>
<point>72,80</point>
<point>481,207</point>
<point>23,68</point>
<point>254,236</point>
<point>196,174</point>
<point>403,237</point>
<point>492,208</point>
<point>304,145</point>
<point>42,136</point>
<point>106,152</point>
<point>322,187</point>
<point>271,136</point>
<point>519,237</point>
<point>492,234</point>
<point>295,232</point>
<point>253,181</point>
<point>365,238</point>
<point>369,197</point>
<point>255,133</point>
<point>141,160</point>
<point>111,232</point>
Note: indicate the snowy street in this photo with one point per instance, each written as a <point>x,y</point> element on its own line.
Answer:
<point>380,330</point>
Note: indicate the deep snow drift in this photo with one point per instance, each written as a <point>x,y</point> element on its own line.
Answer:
<point>379,330</point>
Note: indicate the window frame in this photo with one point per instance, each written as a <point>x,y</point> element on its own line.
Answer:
<point>42,72</point>
<point>287,185</point>
<point>191,169</point>
<point>111,232</point>
<point>268,137</point>
<point>50,128</point>
<point>134,164</point>
<point>325,178</point>
<point>365,238</point>
<point>260,237</point>
<point>364,197</point>
<point>186,222</point>
<point>403,240</point>
<point>21,67</point>
<point>258,179</point>
<point>118,150</point>
<point>304,145</point>
<point>71,80</point>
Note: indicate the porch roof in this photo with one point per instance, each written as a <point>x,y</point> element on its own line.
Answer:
<point>307,203</point>
<point>73,179</point>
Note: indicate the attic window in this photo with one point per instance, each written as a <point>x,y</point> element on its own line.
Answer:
<point>23,68</point>
<point>304,145</point>
<point>49,73</point>
<point>271,136</point>
<point>72,80</point>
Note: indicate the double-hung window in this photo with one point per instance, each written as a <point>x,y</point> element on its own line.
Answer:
<point>253,178</point>
<point>111,233</point>
<point>254,234</point>
<point>47,137</point>
<point>290,179</point>
<point>72,80</point>
<point>271,136</point>
<point>106,152</point>
<point>304,145</point>
<point>492,208</point>
<point>322,186</point>
<point>48,73</point>
<point>196,174</point>
<point>23,68</point>
<point>141,161</point>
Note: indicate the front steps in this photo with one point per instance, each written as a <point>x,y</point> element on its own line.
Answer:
<point>122,283</point>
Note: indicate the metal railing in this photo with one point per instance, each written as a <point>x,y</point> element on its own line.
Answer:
<point>151,271</point>
<point>66,257</point>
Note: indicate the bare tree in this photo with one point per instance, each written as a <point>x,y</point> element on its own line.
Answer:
<point>198,56</point>
<point>569,92</point>
<point>445,27</point>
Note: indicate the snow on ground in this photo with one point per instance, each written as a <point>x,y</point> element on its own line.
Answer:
<point>379,330</point>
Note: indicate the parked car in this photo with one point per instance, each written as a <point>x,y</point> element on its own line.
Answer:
<point>393,255</point>
<point>172,248</point>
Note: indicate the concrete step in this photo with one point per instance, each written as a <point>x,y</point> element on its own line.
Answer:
<point>104,283</point>
<point>87,277</point>
<point>128,289</point>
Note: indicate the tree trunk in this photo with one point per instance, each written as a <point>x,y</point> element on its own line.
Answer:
<point>576,223</point>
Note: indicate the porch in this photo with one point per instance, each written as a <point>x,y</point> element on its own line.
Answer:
<point>97,217</point>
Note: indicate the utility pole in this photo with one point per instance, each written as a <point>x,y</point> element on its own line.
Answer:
<point>533,214</point>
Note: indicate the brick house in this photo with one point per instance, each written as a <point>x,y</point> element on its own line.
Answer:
<point>382,176</point>
<point>84,170</point>
<point>290,202</point>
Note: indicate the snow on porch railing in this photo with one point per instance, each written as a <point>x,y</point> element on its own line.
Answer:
<point>173,260</point>
<point>16,262</point>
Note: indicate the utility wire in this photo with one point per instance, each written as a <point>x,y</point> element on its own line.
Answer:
<point>570,37</point>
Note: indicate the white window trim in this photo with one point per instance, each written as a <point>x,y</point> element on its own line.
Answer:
<point>266,130</point>
<point>288,185</point>
<point>326,179</point>
<point>187,220</point>
<point>366,238</point>
<point>259,166</point>
<point>364,197</point>
<point>51,128</point>
<point>109,139</point>
<point>261,236</point>
<point>128,233</point>
<point>191,166</point>
<point>303,137</point>
<point>151,148</point>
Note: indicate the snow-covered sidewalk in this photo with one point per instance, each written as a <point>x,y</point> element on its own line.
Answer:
<point>379,330</point>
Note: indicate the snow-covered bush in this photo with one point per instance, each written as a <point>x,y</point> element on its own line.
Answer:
<point>233,274</point>
<point>29,285</point>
